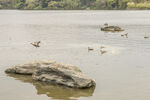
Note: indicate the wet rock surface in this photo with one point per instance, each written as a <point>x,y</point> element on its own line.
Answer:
<point>56,73</point>
<point>112,28</point>
<point>27,69</point>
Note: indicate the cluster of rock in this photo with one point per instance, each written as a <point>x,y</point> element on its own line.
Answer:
<point>53,72</point>
<point>111,28</point>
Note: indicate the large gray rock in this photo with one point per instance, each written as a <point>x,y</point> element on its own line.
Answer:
<point>27,69</point>
<point>52,72</point>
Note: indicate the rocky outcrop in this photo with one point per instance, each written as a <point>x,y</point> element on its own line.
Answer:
<point>111,28</point>
<point>52,72</point>
<point>29,68</point>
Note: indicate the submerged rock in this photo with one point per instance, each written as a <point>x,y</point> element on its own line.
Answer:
<point>54,91</point>
<point>52,72</point>
<point>111,28</point>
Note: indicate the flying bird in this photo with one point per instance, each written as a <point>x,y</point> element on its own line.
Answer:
<point>36,44</point>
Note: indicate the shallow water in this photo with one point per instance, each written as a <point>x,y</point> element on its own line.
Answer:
<point>122,73</point>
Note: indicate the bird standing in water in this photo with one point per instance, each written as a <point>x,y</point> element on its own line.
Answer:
<point>36,44</point>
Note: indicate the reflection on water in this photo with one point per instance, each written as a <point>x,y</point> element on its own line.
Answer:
<point>54,91</point>
<point>121,69</point>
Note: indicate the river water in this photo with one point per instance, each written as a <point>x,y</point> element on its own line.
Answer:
<point>121,73</point>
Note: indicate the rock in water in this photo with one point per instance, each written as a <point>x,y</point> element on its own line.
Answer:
<point>111,28</point>
<point>27,69</point>
<point>52,72</point>
<point>63,74</point>
<point>54,91</point>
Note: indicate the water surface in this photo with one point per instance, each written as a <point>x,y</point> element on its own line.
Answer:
<point>122,73</point>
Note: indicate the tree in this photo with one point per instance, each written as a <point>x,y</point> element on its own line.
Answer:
<point>73,4</point>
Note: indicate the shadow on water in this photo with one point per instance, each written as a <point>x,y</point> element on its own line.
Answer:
<point>55,91</point>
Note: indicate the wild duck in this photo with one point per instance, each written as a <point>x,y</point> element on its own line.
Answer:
<point>90,49</point>
<point>102,51</point>
<point>102,47</point>
<point>36,44</point>
<point>106,24</point>
<point>146,37</point>
<point>126,35</point>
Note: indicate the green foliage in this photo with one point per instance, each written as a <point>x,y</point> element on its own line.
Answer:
<point>131,4</point>
<point>30,6</point>
<point>38,8</point>
<point>54,5</point>
<point>70,4</point>
<point>100,4</point>
<point>139,5</point>
<point>20,5</point>
<point>74,4</point>
<point>143,5</point>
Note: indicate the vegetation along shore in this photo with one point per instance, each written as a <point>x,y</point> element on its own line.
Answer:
<point>74,4</point>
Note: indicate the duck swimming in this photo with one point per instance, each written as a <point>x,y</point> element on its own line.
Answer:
<point>102,47</point>
<point>146,37</point>
<point>36,44</point>
<point>106,24</point>
<point>102,51</point>
<point>125,35</point>
<point>90,49</point>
